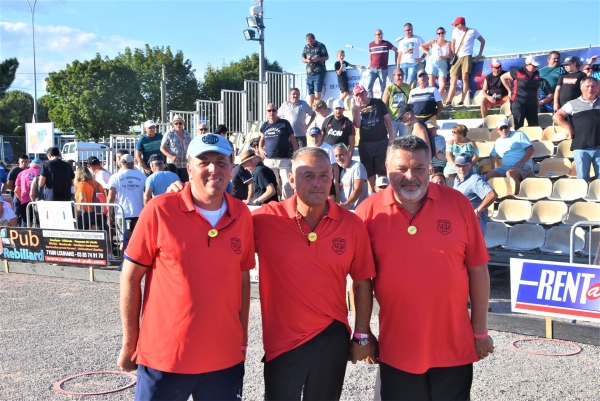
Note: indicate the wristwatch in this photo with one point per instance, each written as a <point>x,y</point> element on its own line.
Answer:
<point>363,342</point>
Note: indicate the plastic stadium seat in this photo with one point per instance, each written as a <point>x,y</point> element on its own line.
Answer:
<point>329,103</point>
<point>505,109</point>
<point>583,211</point>
<point>484,149</point>
<point>545,120</point>
<point>569,190</point>
<point>533,133</point>
<point>558,240</point>
<point>478,98</point>
<point>491,210</point>
<point>496,234</point>
<point>457,99</point>
<point>554,133</point>
<point>513,211</point>
<point>485,165</point>
<point>349,103</point>
<point>525,237</point>
<point>479,134</point>
<point>542,149</point>
<point>533,188</point>
<point>548,212</point>
<point>490,121</point>
<point>591,242</point>
<point>494,134</point>
<point>593,194</point>
<point>564,149</point>
<point>504,186</point>
<point>554,167</point>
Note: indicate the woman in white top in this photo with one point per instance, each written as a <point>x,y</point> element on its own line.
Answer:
<point>438,54</point>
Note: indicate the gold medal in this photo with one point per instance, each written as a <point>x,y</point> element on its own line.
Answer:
<point>312,237</point>
<point>412,230</point>
<point>212,233</point>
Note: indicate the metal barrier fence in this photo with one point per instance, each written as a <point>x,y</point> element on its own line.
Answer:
<point>208,112</point>
<point>118,142</point>
<point>233,110</point>
<point>590,243</point>
<point>12,147</point>
<point>256,95</point>
<point>92,217</point>
<point>279,84</point>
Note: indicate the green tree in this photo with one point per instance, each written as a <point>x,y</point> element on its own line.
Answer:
<point>16,109</point>
<point>8,69</point>
<point>94,98</point>
<point>232,76</point>
<point>182,86</point>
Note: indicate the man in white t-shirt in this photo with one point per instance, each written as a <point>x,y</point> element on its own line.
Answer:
<point>408,54</point>
<point>353,178</point>
<point>463,39</point>
<point>317,141</point>
<point>295,111</point>
<point>101,175</point>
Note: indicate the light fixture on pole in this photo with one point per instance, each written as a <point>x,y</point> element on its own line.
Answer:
<point>256,21</point>
<point>357,48</point>
<point>35,111</point>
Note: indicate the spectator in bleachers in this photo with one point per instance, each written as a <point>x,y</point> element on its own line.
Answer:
<point>408,54</point>
<point>276,134</point>
<point>101,175</point>
<point>546,99</point>
<point>494,92</point>
<point>474,187</point>
<point>295,111</point>
<point>581,119</point>
<point>57,177</point>
<point>463,39</point>
<point>160,179</point>
<point>353,178</point>
<point>414,126</point>
<point>394,97</point>
<point>553,70</point>
<point>567,88</point>
<point>322,112</point>
<point>314,56</point>
<point>23,186</point>
<point>242,182</point>
<point>376,132</point>
<point>438,54</point>
<point>264,180</point>
<point>439,159</point>
<point>340,67</point>
<point>202,129</point>
<point>224,132</point>
<point>174,146</point>
<point>338,128</point>
<point>147,145</point>
<point>316,136</point>
<point>459,143</point>
<point>523,85</point>
<point>590,69</point>
<point>379,51</point>
<point>426,100</point>
<point>516,152</point>
<point>85,190</point>
<point>23,164</point>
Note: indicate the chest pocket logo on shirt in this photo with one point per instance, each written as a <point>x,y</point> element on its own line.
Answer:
<point>236,245</point>
<point>444,226</point>
<point>339,245</point>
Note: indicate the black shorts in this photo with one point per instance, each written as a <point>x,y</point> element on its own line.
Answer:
<point>315,368</point>
<point>343,84</point>
<point>332,189</point>
<point>372,156</point>
<point>452,383</point>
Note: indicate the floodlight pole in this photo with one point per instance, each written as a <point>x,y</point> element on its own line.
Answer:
<point>35,108</point>
<point>261,48</point>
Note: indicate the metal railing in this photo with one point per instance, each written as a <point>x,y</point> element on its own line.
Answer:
<point>208,112</point>
<point>279,85</point>
<point>233,110</point>
<point>588,242</point>
<point>256,92</point>
<point>118,142</point>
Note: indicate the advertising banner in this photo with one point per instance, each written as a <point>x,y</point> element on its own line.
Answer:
<point>54,246</point>
<point>39,137</point>
<point>565,290</point>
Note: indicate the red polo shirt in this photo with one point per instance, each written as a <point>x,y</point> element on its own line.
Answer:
<point>302,283</point>
<point>193,293</point>
<point>422,284</point>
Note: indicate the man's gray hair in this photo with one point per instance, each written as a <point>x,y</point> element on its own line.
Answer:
<point>310,150</point>
<point>409,143</point>
<point>584,80</point>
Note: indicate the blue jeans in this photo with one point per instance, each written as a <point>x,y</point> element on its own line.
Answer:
<point>410,71</point>
<point>399,128</point>
<point>375,73</point>
<point>314,83</point>
<point>583,159</point>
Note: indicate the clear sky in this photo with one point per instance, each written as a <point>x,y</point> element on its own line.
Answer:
<point>210,32</point>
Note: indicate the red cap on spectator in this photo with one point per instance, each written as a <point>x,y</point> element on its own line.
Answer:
<point>358,89</point>
<point>459,20</point>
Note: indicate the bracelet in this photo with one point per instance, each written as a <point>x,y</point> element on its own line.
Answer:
<point>361,335</point>
<point>244,347</point>
<point>484,335</point>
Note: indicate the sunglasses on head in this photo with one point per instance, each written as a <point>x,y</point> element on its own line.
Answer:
<point>341,145</point>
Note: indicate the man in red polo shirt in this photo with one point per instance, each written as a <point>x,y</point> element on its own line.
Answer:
<point>306,246</point>
<point>430,258</point>
<point>195,248</point>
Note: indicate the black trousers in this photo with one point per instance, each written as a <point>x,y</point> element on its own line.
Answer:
<point>522,111</point>
<point>453,383</point>
<point>318,366</point>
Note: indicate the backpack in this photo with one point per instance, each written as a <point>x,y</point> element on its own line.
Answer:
<point>99,197</point>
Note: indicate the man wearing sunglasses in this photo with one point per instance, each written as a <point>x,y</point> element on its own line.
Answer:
<point>379,51</point>
<point>174,146</point>
<point>148,145</point>
<point>494,92</point>
<point>202,129</point>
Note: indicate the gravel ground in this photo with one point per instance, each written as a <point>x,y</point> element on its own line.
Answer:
<point>54,328</point>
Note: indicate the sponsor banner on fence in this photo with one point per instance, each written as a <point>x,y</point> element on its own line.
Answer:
<point>39,136</point>
<point>54,246</point>
<point>564,290</point>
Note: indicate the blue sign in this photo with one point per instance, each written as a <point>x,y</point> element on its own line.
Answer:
<point>555,289</point>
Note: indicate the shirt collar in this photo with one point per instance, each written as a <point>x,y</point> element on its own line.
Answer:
<point>581,99</point>
<point>186,202</point>
<point>289,206</point>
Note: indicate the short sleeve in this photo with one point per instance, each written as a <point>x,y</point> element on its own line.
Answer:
<point>523,140</point>
<point>482,188</point>
<point>262,128</point>
<point>476,34</point>
<point>568,108</point>
<point>363,266</point>
<point>8,212</point>
<point>337,65</point>
<point>436,95</point>
<point>150,182</point>
<point>142,248</point>
<point>248,258</point>
<point>476,252</point>
<point>493,152</point>
<point>139,145</point>
<point>289,128</point>
<point>111,182</point>
<point>165,140</point>
<point>361,172</point>
<point>513,74</point>
<point>560,80</point>
<point>308,109</point>
<point>323,51</point>
<point>410,99</point>
<point>44,171</point>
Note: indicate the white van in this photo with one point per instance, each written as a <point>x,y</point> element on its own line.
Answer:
<point>81,151</point>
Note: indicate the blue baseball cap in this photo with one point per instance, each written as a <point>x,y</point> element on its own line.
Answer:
<point>209,143</point>
<point>37,161</point>
<point>463,159</point>
<point>315,131</point>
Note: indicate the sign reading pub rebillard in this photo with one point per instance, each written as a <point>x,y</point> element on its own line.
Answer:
<point>56,246</point>
<point>565,290</point>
